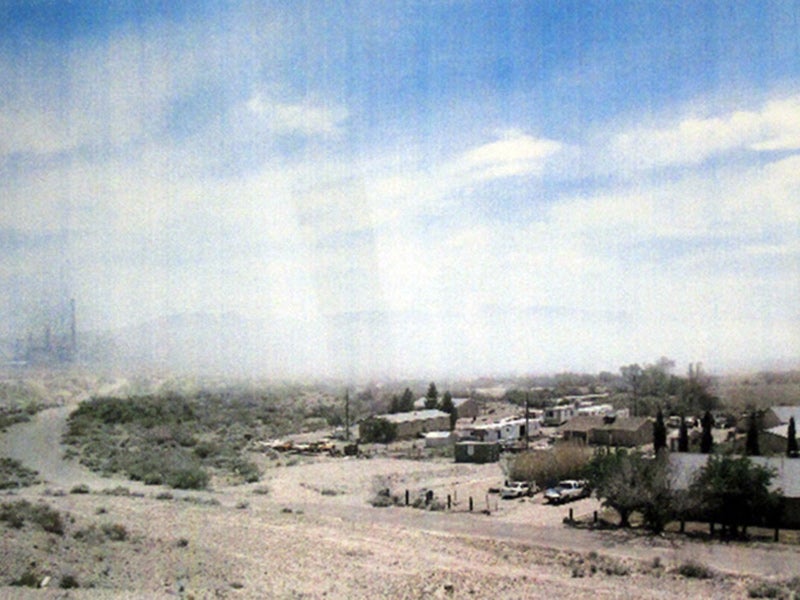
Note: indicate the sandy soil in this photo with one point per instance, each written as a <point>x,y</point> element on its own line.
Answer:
<point>314,535</point>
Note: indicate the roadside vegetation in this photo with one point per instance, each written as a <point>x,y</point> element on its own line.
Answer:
<point>173,439</point>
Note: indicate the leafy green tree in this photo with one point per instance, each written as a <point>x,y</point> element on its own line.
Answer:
<point>791,442</point>
<point>394,404</point>
<point>683,437</point>
<point>751,443</point>
<point>659,432</point>
<point>406,401</point>
<point>735,492</point>
<point>376,430</point>
<point>448,407</point>
<point>707,439</point>
<point>432,397</point>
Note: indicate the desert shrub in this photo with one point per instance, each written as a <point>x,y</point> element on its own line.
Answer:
<point>546,468</point>
<point>14,475</point>
<point>164,496</point>
<point>90,535</point>
<point>28,579</point>
<point>117,491</point>
<point>115,532</point>
<point>765,590</point>
<point>182,542</point>
<point>243,505</point>
<point>377,430</point>
<point>68,581</point>
<point>206,449</point>
<point>247,470</point>
<point>261,490</point>
<point>81,488</point>
<point>152,478</point>
<point>695,570</point>
<point>188,479</point>
<point>17,513</point>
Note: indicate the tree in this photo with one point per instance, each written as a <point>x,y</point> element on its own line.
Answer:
<point>735,493</point>
<point>791,442</point>
<point>629,482</point>
<point>683,437</point>
<point>377,431</point>
<point>394,404</point>
<point>448,407</point>
<point>751,444</point>
<point>659,432</point>
<point>432,397</point>
<point>406,401</point>
<point>707,439</point>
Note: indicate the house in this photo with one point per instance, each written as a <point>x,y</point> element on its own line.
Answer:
<point>594,410</point>
<point>413,424</point>
<point>685,466</point>
<point>775,439</point>
<point>766,419</point>
<point>609,431</point>
<point>466,408</point>
<point>782,414</point>
<point>511,429</point>
<point>477,452</point>
<point>558,415</point>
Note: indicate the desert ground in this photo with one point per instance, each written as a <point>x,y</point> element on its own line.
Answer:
<point>308,530</point>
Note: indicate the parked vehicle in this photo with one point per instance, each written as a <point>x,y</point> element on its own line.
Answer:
<point>566,491</point>
<point>518,489</point>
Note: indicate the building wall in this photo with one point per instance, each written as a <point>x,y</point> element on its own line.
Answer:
<point>411,429</point>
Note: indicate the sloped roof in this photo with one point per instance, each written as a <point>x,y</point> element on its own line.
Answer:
<point>787,470</point>
<point>417,415</point>
<point>586,423</point>
<point>784,413</point>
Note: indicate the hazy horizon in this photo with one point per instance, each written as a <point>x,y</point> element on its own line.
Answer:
<point>415,187</point>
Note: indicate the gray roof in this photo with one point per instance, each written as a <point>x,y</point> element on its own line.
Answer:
<point>590,422</point>
<point>459,401</point>
<point>685,465</point>
<point>416,415</point>
<point>784,413</point>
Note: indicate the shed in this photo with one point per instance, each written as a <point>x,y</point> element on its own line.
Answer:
<point>439,439</point>
<point>477,452</point>
<point>466,408</point>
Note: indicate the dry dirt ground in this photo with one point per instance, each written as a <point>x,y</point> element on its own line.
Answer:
<point>308,531</point>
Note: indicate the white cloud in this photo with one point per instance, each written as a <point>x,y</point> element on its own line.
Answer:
<point>515,154</point>
<point>304,118</point>
<point>693,140</point>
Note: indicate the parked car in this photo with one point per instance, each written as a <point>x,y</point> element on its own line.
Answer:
<point>518,489</point>
<point>566,491</point>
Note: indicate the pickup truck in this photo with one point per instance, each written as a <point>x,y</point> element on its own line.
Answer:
<point>517,489</point>
<point>567,490</point>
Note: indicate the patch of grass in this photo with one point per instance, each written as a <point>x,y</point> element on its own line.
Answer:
<point>695,570</point>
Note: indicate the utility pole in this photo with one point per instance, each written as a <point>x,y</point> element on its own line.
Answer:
<point>347,415</point>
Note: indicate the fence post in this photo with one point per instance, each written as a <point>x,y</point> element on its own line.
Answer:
<point>448,502</point>
<point>775,537</point>
<point>711,528</point>
<point>570,515</point>
<point>595,517</point>
<point>406,497</point>
<point>470,504</point>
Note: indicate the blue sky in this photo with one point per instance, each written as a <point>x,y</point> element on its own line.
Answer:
<point>422,187</point>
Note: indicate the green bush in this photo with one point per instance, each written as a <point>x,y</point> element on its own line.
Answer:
<point>695,570</point>
<point>28,579</point>
<point>14,475</point>
<point>115,532</point>
<point>546,468</point>
<point>188,479</point>
<point>68,582</point>
<point>15,514</point>
<point>765,590</point>
<point>81,488</point>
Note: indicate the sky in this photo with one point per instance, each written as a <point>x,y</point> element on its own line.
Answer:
<point>410,188</point>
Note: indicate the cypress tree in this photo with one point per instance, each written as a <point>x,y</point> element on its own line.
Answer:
<point>751,445</point>
<point>706,440</point>
<point>659,432</point>
<point>791,442</point>
<point>683,437</point>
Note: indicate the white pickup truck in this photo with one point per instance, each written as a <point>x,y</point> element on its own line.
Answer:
<point>567,490</point>
<point>517,489</point>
